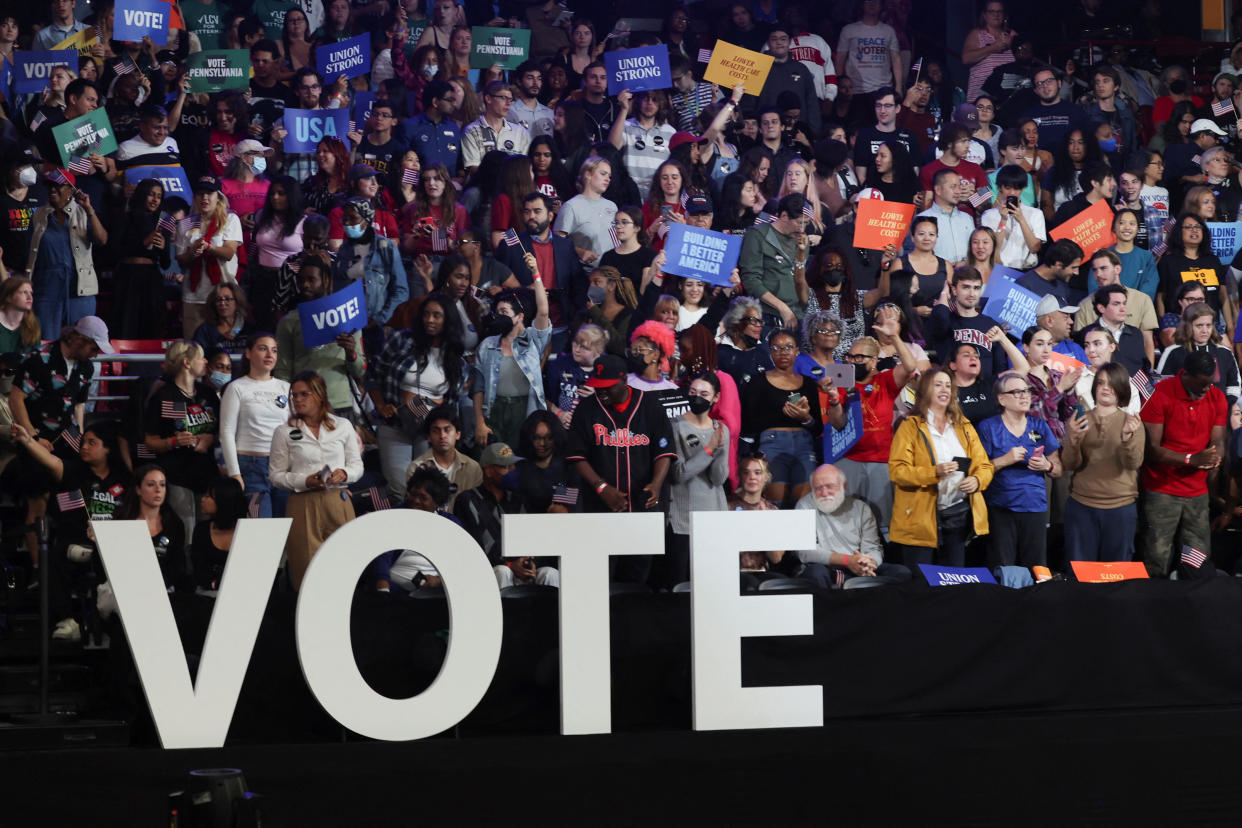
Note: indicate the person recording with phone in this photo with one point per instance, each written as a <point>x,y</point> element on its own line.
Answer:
<point>1023,450</point>
<point>1020,229</point>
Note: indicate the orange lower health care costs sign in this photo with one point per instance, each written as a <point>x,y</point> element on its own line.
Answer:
<point>881,223</point>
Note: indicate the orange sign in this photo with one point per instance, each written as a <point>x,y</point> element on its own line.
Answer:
<point>881,223</point>
<point>1063,363</point>
<point>1096,572</point>
<point>1092,229</point>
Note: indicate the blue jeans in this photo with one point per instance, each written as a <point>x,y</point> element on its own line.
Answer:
<point>254,476</point>
<point>1099,534</point>
<point>790,455</point>
<point>55,304</point>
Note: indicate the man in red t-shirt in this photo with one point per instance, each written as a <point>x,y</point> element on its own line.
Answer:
<point>1186,421</point>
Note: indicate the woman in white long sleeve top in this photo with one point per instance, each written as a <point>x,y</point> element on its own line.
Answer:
<point>251,409</point>
<point>314,455</point>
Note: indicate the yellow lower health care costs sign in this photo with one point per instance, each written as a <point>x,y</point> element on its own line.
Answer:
<point>731,65</point>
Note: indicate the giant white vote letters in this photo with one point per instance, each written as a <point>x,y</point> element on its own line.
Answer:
<point>197,714</point>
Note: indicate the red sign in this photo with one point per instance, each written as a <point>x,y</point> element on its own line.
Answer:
<point>1092,229</point>
<point>881,223</point>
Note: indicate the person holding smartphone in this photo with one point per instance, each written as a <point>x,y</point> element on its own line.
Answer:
<point>1024,451</point>
<point>1020,230</point>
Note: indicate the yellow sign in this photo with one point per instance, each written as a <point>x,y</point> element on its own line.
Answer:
<point>731,65</point>
<point>83,41</point>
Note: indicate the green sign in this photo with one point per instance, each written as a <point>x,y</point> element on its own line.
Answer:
<point>508,47</point>
<point>218,70</point>
<point>84,135</point>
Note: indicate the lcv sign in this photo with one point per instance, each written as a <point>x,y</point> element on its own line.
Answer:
<point>197,714</point>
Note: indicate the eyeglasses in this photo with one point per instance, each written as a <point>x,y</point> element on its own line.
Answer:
<point>827,332</point>
<point>1019,392</point>
<point>1192,228</point>
<point>856,358</point>
<point>501,97</point>
<point>640,352</point>
<point>783,349</point>
<point>1046,82</point>
<point>752,320</point>
<point>886,106</point>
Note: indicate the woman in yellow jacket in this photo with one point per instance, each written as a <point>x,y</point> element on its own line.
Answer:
<point>939,471</point>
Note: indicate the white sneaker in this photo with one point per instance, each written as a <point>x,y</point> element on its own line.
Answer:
<point>67,630</point>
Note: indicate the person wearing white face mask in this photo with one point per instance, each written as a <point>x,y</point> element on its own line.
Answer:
<point>20,196</point>
<point>245,184</point>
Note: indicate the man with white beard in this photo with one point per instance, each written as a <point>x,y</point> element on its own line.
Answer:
<point>847,543</point>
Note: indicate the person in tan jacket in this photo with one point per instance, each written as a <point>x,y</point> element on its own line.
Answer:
<point>939,471</point>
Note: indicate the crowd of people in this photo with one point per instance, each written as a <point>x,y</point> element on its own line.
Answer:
<point>526,348</point>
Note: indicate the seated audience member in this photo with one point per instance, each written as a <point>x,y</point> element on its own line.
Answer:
<point>19,327</point>
<point>443,432</point>
<point>508,378</point>
<point>848,545</point>
<point>222,505</point>
<point>1103,450</point>
<point>1110,303</point>
<point>146,501</point>
<point>699,472</point>
<point>404,570</point>
<point>1188,294</point>
<point>939,470</point>
<point>546,483</point>
<point>1100,347</point>
<point>226,322</point>
<point>741,353</point>
<point>1059,265</point>
<point>759,566</point>
<point>1190,258</point>
<point>98,476</point>
<point>1023,450</point>
<point>1196,332</point>
<point>313,439</point>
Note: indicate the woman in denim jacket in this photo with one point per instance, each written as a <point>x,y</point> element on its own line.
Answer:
<point>508,375</point>
<point>376,260</point>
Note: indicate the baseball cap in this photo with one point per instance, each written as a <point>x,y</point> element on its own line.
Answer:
<point>207,184</point>
<point>1230,75</point>
<point>94,329</point>
<point>1051,303</point>
<point>608,370</point>
<point>967,115</point>
<point>1206,125</point>
<point>680,138</point>
<point>251,145</point>
<point>358,171</point>
<point>698,204</point>
<point>497,454</point>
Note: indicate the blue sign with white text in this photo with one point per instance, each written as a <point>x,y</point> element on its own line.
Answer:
<point>837,444</point>
<point>696,253</point>
<point>350,58</point>
<point>174,179</point>
<point>638,69</point>
<point>1012,306</point>
<point>363,101</point>
<point>1226,239</point>
<point>307,127</point>
<point>954,575</point>
<point>136,19</point>
<point>323,320</point>
<point>32,70</point>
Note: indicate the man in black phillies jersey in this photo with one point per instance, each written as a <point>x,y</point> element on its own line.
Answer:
<point>622,445</point>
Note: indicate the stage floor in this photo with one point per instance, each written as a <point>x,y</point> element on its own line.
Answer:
<point>1157,767</point>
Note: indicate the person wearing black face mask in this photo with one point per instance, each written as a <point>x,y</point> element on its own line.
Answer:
<point>698,474</point>
<point>832,289</point>
<point>651,346</point>
<point>508,376</point>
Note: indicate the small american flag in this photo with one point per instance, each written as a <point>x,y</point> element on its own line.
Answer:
<point>808,210</point>
<point>1194,160</point>
<point>295,265</point>
<point>172,410</point>
<point>417,407</point>
<point>353,127</point>
<point>69,501</point>
<point>193,221</point>
<point>1144,384</point>
<point>566,495</point>
<point>1192,557</point>
<point>511,238</point>
<point>99,32</point>
<point>612,235</point>
<point>409,177</point>
<point>125,67</point>
<point>917,66</point>
<point>58,177</point>
<point>705,55</point>
<point>764,218</point>
<point>145,453</point>
<point>72,438</point>
<point>79,165</point>
<point>439,240</point>
<point>1159,248</point>
<point>1222,107</point>
<point>685,199</point>
<point>981,197</point>
<point>378,499</point>
<point>166,223</point>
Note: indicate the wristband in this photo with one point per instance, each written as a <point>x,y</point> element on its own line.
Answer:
<point>603,484</point>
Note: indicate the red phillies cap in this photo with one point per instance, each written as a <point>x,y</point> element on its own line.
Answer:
<point>608,370</point>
